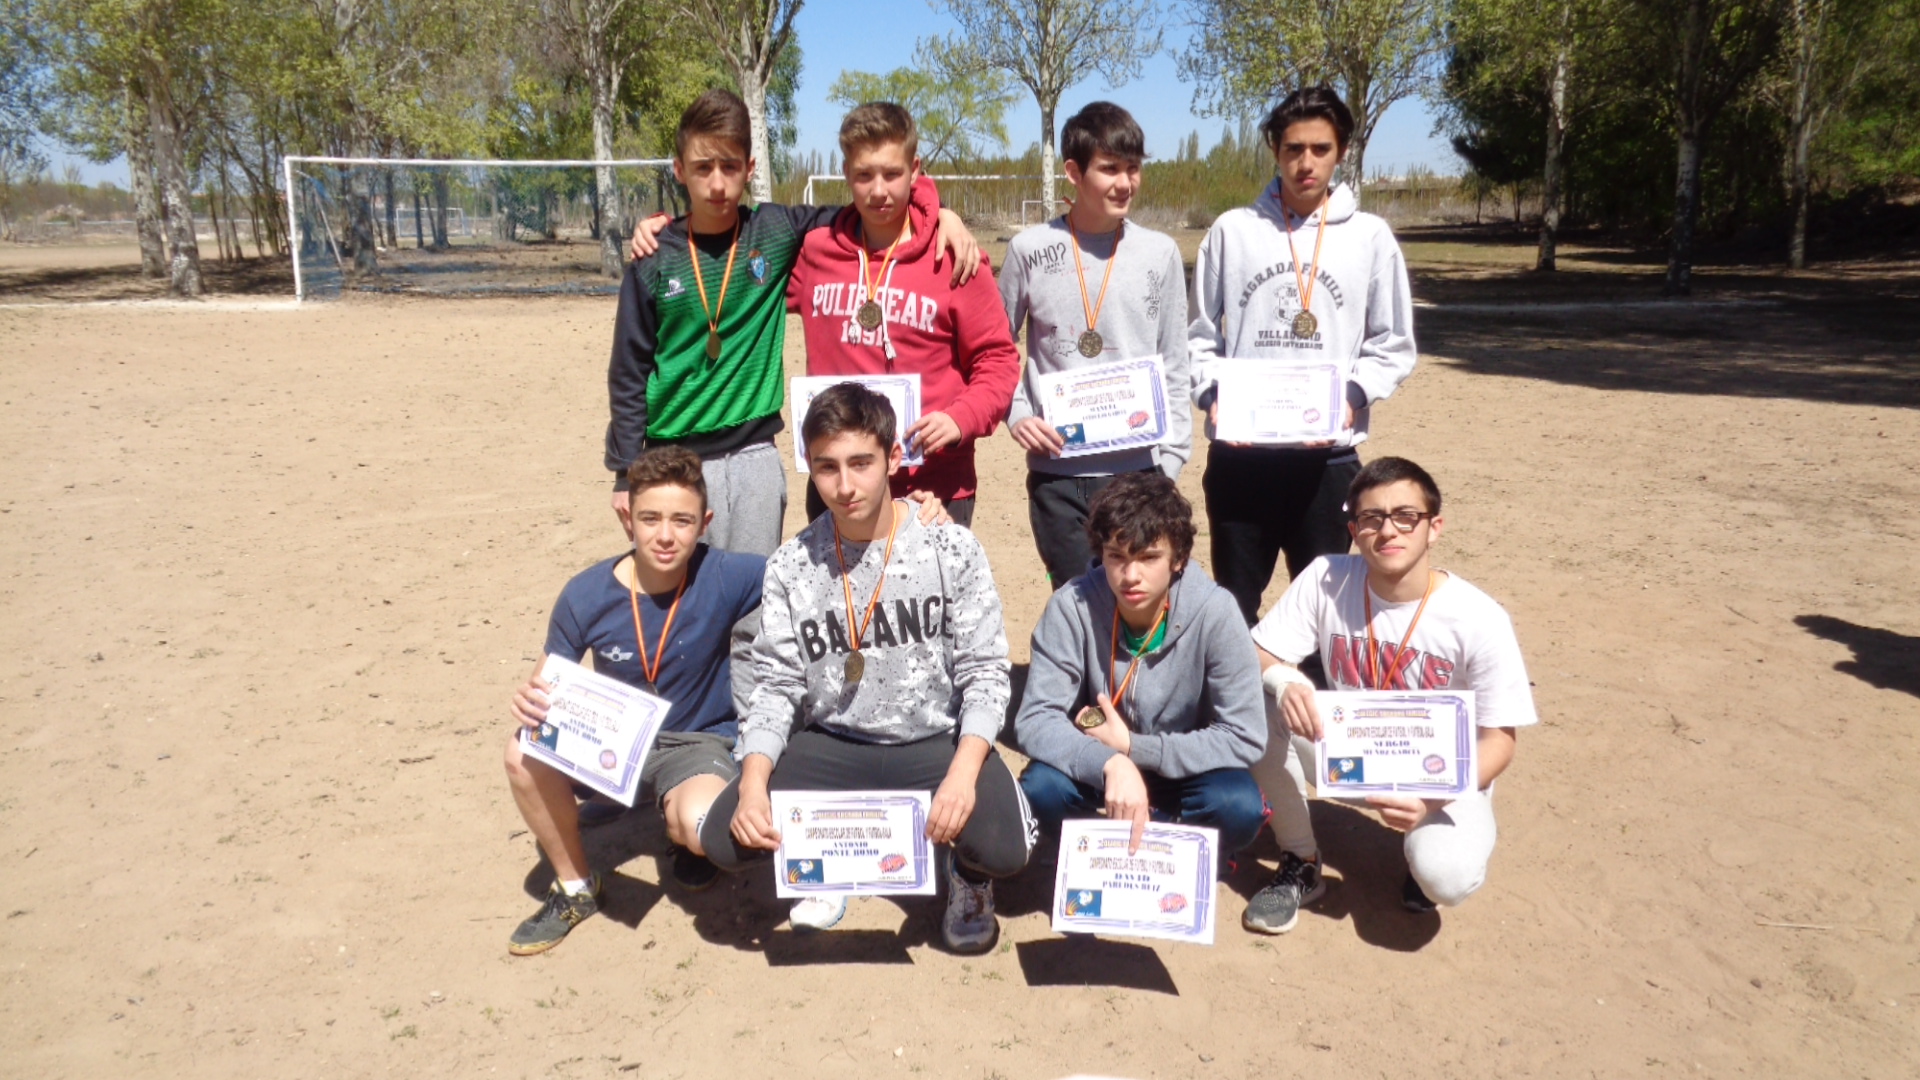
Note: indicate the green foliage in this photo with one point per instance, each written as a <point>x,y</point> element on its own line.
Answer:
<point>959,116</point>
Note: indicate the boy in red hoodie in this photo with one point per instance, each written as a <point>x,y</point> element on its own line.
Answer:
<point>880,252</point>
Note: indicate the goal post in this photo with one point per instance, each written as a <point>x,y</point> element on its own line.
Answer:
<point>466,226</point>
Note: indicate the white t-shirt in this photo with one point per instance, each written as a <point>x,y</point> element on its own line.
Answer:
<point>1464,641</point>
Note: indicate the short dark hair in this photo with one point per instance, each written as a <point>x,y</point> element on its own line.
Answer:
<point>1102,127</point>
<point>716,114</point>
<point>878,122</point>
<point>661,465</point>
<point>1308,103</point>
<point>1137,509</point>
<point>847,407</point>
<point>1391,470</point>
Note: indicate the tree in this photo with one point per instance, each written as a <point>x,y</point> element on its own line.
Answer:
<point>1831,45</point>
<point>1249,53</point>
<point>960,117</point>
<point>749,36</point>
<point>1047,46</point>
<point>22,73</point>
<point>602,38</point>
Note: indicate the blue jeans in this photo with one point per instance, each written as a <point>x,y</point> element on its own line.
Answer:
<point>1225,799</point>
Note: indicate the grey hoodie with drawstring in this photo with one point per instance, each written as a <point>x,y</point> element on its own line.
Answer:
<point>1193,706</point>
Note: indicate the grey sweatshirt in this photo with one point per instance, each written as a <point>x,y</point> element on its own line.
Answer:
<point>1144,314</point>
<point>1245,297</point>
<point>936,649</point>
<point>1194,704</point>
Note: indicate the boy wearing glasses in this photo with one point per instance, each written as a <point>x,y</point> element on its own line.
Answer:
<point>1386,620</point>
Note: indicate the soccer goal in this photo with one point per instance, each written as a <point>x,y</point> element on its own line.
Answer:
<point>466,227</point>
<point>998,200</point>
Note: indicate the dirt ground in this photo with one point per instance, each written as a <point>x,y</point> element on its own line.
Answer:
<point>270,575</point>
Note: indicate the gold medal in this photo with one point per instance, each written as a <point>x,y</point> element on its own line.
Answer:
<point>1091,345</point>
<point>713,345</point>
<point>1304,324</point>
<point>869,316</point>
<point>856,666</point>
<point>1089,718</point>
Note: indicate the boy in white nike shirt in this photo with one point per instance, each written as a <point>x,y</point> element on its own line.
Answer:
<point>1430,630</point>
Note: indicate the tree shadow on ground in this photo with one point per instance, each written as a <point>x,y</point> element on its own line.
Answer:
<point>262,276</point>
<point>1881,658</point>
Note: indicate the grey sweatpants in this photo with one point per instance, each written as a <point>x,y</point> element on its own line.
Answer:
<point>1447,853</point>
<point>747,492</point>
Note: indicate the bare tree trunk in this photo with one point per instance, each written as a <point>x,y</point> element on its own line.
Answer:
<point>419,227</point>
<point>1807,26</point>
<point>1357,90</point>
<point>1686,186</point>
<point>148,217</point>
<point>608,216</point>
<point>360,216</point>
<point>393,209</point>
<point>1047,161</point>
<point>183,248</point>
<point>1556,141</point>
<point>753,90</point>
<point>439,211</point>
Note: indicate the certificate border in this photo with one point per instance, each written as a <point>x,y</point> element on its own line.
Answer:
<point>909,381</point>
<point>1336,395</point>
<point>1125,442</point>
<point>922,852</point>
<point>1466,732</point>
<point>1164,929</point>
<point>628,791</point>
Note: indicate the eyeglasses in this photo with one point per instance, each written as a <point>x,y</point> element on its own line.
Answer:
<point>1371,521</point>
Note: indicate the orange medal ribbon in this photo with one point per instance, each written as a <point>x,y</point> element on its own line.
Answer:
<point>1091,343</point>
<point>640,634</point>
<point>713,310</point>
<point>1400,653</point>
<point>1305,324</point>
<point>1113,653</point>
<point>859,632</point>
<point>870,314</point>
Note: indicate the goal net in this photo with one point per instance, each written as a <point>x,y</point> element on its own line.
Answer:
<point>454,228</point>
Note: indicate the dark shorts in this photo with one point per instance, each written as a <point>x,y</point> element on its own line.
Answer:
<point>679,756</point>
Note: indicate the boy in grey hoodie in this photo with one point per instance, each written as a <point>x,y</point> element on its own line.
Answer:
<point>885,636</point>
<point>1144,697</point>
<point>1299,275</point>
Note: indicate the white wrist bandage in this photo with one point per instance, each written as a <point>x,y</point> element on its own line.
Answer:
<point>1276,678</point>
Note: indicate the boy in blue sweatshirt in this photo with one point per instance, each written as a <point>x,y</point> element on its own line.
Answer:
<point>1144,697</point>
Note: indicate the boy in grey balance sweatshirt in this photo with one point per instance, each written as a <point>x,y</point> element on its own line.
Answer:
<point>1144,697</point>
<point>1091,269</point>
<point>885,635</point>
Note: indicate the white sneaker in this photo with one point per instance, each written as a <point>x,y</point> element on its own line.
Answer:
<point>969,925</point>
<point>818,912</point>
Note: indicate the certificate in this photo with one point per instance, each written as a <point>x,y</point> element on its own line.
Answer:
<point>845,843</point>
<point>598,730</point>
<point>1413,742</point>
<point>1164,890</point>
<point>1106,407</point>
<point>1279,402</point>
<point>901,391</point>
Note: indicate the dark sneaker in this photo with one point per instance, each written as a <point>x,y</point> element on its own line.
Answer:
<point>600,811</point>
<point>1274,909</point>
<point>1415,899</point>
<point>691,872</point>
<point>557,916</point>
<point>969,925</point>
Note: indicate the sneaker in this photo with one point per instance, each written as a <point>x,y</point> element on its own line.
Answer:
<point>691,872</point>
<point>557,916</point>
<point>818,912</point>
<point>969,925</point>
<point>1415,899</point>
<point>600,811</point>
<point>1274,909</point>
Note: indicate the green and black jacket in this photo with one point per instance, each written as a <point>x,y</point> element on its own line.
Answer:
<point>661,387</point>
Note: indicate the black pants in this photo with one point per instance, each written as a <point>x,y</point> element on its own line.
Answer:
<point>1262,502</point>
<point>994,842</point>
<point>1057,511</point>
<point>961,510</point>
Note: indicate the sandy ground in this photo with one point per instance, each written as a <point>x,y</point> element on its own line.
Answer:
<point>269,577</point>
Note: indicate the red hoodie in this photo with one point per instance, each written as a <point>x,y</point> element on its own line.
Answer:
<point>956,340</point>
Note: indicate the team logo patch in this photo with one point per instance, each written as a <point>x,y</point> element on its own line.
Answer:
<point>674,288</point>
<point>616,655</point>
<point>757,266</point>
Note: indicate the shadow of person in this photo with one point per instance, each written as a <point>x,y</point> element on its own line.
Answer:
<point>1085,960</point>
<point>1881,658</point>
<point>742,912</point>
<point>1370,861</point>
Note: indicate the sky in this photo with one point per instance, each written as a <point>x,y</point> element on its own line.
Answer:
<point>859,35</point>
